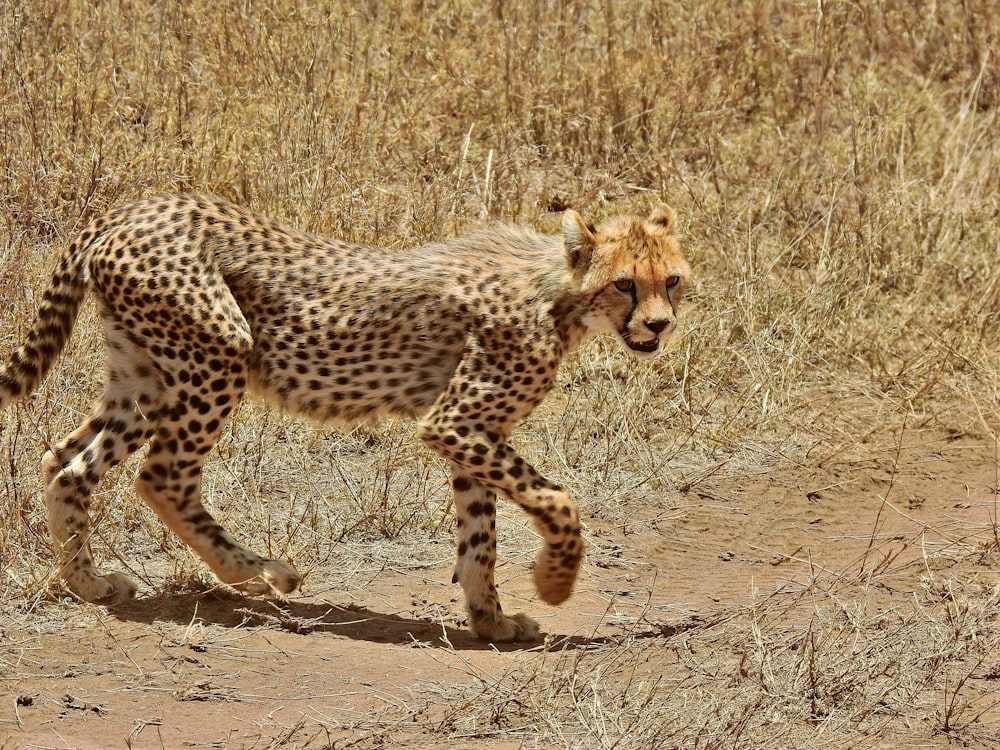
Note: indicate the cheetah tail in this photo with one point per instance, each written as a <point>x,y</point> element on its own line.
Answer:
<point>26,366</point>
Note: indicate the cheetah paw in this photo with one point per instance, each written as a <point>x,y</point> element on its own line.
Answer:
<point>555,574</point>
<point>504,629</point>
<point>276,578</point>
<point>108,590</point>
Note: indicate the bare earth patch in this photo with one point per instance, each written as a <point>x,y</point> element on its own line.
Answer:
<point>675,600</point>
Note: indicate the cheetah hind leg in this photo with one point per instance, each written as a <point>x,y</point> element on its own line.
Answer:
<point>476,518</point>
<point>115,430</point>
<point>232,563</point>
<point>175,496</point>
<point>203,391</point>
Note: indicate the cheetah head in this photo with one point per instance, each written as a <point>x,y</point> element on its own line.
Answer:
<point>631,274</point>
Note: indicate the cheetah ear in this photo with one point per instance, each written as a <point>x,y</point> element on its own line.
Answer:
<point>664,218</point>
<point>578,240</point>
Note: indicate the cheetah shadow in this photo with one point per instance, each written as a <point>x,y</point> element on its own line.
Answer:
<point>233,610</point>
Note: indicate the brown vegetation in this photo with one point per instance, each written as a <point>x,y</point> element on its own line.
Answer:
<point>792,518</point>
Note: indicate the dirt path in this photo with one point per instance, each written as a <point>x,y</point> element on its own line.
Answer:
<point>382,662</point>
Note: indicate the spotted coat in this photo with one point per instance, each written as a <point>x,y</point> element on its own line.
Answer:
<point>202,301</point>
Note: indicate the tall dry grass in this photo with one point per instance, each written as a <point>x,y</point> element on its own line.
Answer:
<point>836,168</point>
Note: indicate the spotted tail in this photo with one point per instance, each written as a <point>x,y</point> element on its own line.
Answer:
<point>28,365</point>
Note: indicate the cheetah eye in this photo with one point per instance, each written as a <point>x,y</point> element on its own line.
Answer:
<point>673,281</point>
<point>625,285</point>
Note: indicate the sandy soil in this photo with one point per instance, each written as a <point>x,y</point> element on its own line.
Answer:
<point>346,664</point>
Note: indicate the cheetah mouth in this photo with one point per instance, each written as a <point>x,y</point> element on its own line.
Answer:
<point>645,347</point>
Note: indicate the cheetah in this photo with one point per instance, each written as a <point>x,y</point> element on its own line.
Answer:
<point>202,301</point>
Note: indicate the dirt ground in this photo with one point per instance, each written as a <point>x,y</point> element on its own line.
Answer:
<point>364,661</point>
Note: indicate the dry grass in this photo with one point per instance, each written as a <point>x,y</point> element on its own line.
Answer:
<point>836,167</point>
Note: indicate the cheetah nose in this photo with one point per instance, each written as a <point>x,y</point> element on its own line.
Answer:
<point>657,326</point>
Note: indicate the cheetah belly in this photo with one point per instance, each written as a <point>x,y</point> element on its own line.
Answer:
<point>352,373</point>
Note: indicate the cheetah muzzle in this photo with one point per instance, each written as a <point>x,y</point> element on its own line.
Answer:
<point>203,301</point>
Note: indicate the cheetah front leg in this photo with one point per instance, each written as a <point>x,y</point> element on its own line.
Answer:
<point>475,510</point>
<point>469,425</point>
<point>485,458</point>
